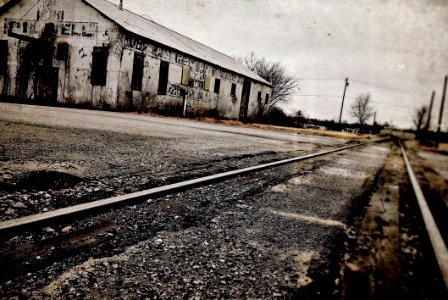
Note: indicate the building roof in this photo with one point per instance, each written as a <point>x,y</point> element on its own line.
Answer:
<point>155,32</point>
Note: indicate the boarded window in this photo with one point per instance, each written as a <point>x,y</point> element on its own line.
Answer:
<point>266,100</point>
<point>207,82</point>
<point>62,51</point>
<point>233,90</point>
<point>163,78</point>
<point>185,75</point>
<point>208,79</point>
<point>137,71</point>
<point>3,57</point>
<point>217,85</point>
<point>99,65</point>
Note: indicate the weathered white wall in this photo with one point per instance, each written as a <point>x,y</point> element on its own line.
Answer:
<point>82,28</point>
<point>258,107</point>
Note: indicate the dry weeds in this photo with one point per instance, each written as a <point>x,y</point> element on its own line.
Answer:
<point>306,131</point>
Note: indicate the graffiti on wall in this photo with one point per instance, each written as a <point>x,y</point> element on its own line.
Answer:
<point>201,95</point>
<point>175,90</point>
<point>198,78</point>
<point>72,29</point>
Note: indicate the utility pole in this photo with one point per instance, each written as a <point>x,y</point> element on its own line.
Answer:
<point>184,104</point>
<point>374,118</point>
<point>441,105</point>
<point>428,122</point>
<point>343,97</point>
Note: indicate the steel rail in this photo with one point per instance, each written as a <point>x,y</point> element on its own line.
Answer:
<point>438,245</point>
<point>68,212</point>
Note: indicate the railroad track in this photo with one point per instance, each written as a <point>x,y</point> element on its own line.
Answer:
<point>41,219</point>
<point>103,232</point>
<point>434,232</point>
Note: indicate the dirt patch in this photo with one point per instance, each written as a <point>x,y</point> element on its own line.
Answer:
<point>41,181</point>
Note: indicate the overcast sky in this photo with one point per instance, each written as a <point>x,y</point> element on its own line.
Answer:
<point>395,50</point>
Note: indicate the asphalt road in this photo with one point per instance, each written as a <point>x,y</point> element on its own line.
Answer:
<point>148,126</point>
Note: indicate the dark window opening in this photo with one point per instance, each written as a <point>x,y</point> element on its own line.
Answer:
<point>217,85</point>
<point>99,65</point>
<point>233,90</point>
<point>3,57</point>
<point>25,27</point>
<point>259,97</point>
<point>163,77</point>
<point>62,51</point>
<point>266,100</point>
<point>137,71</point>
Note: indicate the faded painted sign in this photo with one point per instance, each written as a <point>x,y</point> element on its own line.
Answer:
<point>31,27</point>
<point>182,60</point>
<point>77,29</point>
<point>135,43</point>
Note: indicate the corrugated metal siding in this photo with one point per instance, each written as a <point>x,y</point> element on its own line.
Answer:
<point>162,35</point>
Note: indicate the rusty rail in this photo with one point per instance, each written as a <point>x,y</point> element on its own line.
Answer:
<point>438,245</point>
<point>68,212</point>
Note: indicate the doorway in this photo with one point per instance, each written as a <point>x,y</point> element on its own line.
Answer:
<point>46,84</point>
<point>245,99</point>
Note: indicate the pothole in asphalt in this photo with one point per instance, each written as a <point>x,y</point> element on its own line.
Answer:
<point>41,181</point>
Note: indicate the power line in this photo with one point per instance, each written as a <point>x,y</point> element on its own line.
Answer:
<point>329,96</point>
<point>374,101</point>
<point>30,9</point>
<point>391,104</point>
<point>319,79</point>
<point>377,85</point>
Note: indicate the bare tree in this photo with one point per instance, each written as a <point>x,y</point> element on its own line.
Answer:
<point>361,109</point>
<point>420,117</point>
<point>283,84</point>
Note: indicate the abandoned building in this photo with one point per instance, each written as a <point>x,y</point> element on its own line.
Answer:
<point>97,53</point>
